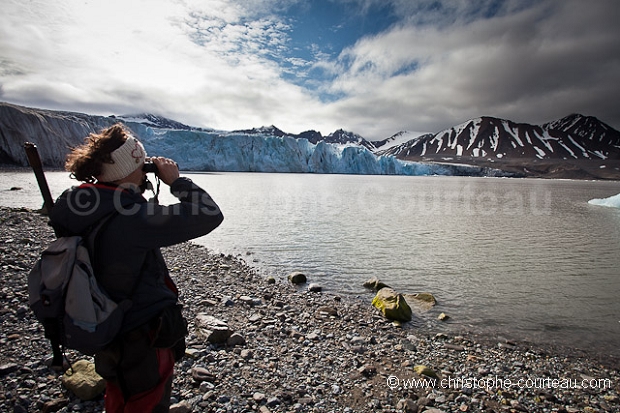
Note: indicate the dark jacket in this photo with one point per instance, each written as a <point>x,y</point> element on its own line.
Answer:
<point>128,247</point>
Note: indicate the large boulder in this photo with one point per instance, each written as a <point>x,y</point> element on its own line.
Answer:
<point>392,305</point>
<point>83,381</point>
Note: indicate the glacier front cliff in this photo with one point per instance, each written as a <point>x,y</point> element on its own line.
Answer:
<point>240,152</point>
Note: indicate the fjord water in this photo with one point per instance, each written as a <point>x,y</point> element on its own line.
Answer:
<point>520,258</point>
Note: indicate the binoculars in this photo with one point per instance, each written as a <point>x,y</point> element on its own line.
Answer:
<point>149,167</point>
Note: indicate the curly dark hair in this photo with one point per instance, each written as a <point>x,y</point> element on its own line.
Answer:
<point>85,161</point>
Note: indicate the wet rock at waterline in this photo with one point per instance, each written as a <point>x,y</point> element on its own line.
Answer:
<point>375,284</point>
<point>392,305</point>
<point>297,278</point>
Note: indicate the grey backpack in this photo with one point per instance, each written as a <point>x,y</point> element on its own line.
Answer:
<point>65,296</point>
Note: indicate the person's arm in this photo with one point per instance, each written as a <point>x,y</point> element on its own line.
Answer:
<point>195,215</point>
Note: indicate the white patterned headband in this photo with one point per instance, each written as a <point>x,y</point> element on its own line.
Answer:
<point>127,158</point>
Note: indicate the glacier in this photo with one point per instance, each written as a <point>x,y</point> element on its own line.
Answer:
<point>612,201</point>
<point>222,151</point>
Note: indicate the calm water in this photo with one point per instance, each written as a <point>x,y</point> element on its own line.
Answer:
<point>526,259</point>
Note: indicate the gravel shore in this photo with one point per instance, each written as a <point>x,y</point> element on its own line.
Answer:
<point>296,350</point>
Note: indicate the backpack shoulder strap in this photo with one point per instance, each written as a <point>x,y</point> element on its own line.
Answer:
<point>92,235</point>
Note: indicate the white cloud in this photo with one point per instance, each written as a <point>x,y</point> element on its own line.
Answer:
<point>535,65</point>
<point>203,63</point>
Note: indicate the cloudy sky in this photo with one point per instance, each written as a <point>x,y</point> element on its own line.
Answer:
<point>374,67</point>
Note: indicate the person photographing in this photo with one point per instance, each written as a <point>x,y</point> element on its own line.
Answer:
<point>138,365</point>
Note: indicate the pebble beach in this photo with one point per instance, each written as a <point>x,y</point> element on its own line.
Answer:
<point>297,350</point>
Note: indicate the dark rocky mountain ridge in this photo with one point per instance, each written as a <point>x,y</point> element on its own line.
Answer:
<point>58,130</point>
<point>339,136</point>
<point>575,147</point>
<point>573,137</point>
<point>343,137</point>
<point>263,130</point>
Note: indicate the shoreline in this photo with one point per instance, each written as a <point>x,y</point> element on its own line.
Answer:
<point>301,350</point>
<point>569,174</point>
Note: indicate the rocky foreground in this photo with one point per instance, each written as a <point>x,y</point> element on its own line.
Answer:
<point>295,350</point>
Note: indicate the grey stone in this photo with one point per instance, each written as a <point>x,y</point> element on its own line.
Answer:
<point>181,407</point>
<point>200,374</point>
<point>315,288</point>
<point>235,339</point>
<point>374,284</point>
<point>212,329</point>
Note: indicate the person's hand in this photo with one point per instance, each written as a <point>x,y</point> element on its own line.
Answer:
<point>167,169</point>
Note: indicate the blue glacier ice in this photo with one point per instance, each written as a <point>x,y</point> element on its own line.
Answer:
<point>251,152</point>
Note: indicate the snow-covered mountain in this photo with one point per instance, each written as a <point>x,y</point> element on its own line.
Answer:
<point>573,137</point>
<point>263,130</point>
<point>397,139</point>
<point>151,120</point>
<point>342,137</point>
<point>589,128</point>
<point>339,137</point>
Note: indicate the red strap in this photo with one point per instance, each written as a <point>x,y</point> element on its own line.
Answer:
<point>171,285</point>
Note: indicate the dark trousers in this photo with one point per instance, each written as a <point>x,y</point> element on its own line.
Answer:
<point>139,376</point>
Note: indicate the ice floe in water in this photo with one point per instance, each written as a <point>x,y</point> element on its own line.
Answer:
<point>612,201</point>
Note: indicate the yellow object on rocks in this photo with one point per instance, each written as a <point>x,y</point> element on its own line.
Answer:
<point>425,371</point>
<point>443,317</point>
<point>392,305</point>
<point>83,380</point>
